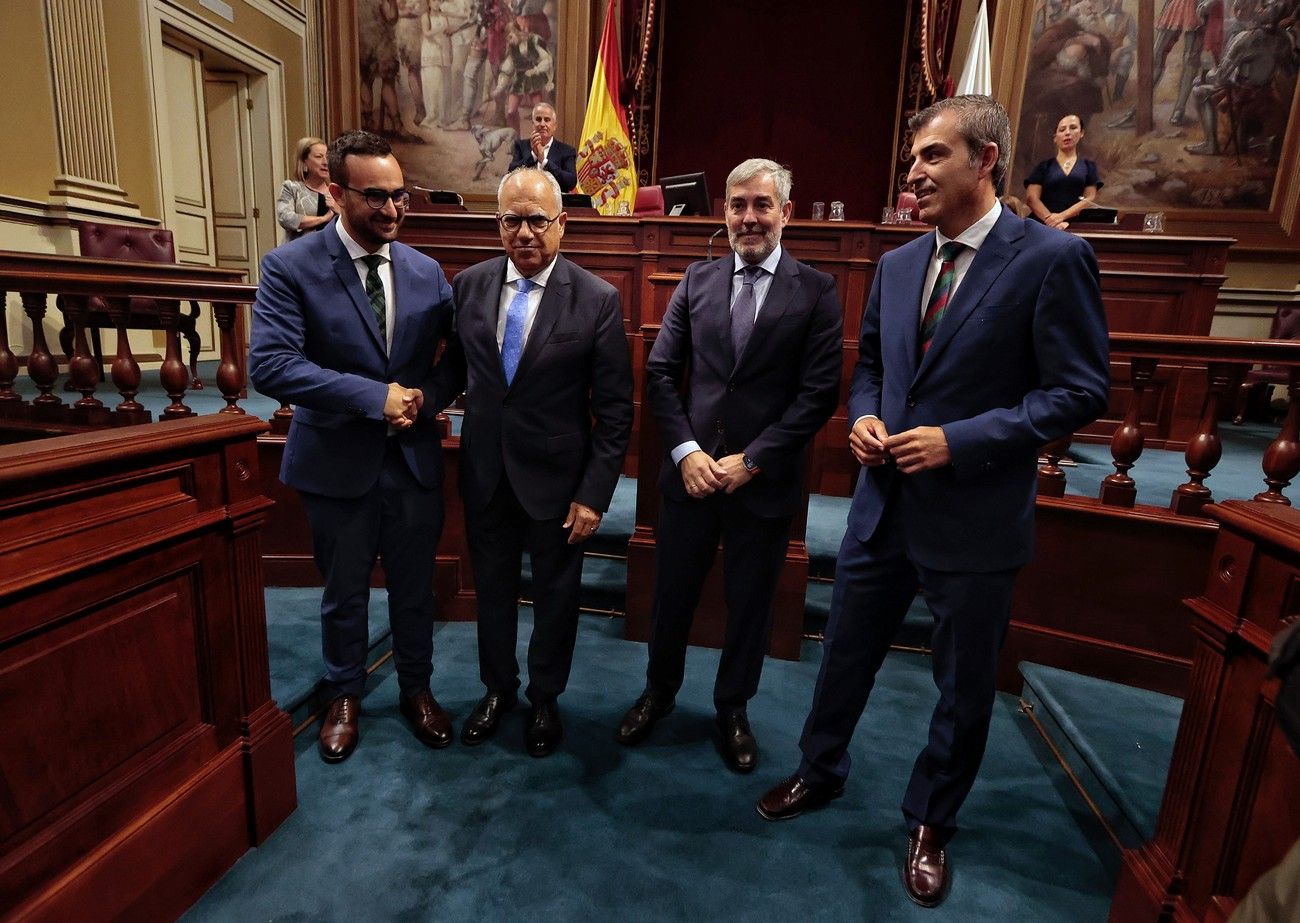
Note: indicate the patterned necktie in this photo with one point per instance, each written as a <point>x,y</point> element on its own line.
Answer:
<point>942,292</point>
<point>743,310</point>
<point>512,343</point>
<point>375,292</point>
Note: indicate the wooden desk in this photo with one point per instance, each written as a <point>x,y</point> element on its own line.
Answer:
<point>1150,284</point>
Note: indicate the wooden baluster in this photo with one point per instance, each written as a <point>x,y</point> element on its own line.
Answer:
<point>42,367</point>
<point>1126,444</point>
<point>230,380</point>
<point>1051,479</point>
<point>83,370</point>
<point>1282,458</point>
<point>125,371</point>
<point>281,419</point>
<point>1204,449</point>
<point>174,375</point>
<point>11,401</point>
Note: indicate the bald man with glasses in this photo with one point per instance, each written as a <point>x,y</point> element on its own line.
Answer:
<point>548,414</point>
<point>345,324</point>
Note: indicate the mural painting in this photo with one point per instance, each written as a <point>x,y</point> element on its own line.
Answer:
<point>452,83</point>
<point>1221,92</point>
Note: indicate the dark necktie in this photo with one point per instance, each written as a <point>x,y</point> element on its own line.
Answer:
<point>512,341</point>
<point>942,293</point>
<point>743,310</point>
<point>375,292</point>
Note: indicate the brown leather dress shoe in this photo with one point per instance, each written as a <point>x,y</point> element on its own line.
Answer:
<point>794,796</point>
<point>642,717</point>
<point>338,729</point>
<point>432,725</point>
<point>483,720</point>
<point>739,748</point>
<point>925,871</point>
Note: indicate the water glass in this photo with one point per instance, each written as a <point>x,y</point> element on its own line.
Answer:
<point>904,216</point>
<point>1153,223</point>
<point>888,216</point>
<point>819,211</point>
<point>837,211</point>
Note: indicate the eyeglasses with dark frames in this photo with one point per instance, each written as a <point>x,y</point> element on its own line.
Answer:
<point>536,223</point>
<point>377,198</point>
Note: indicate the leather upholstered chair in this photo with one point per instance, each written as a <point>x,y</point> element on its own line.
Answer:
<point>1285,326</point>
<point>146,245</point>
<point>649,201</point>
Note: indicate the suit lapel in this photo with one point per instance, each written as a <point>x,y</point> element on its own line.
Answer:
<point>908,309</point>
<point>556,298</point>
<point>715,327</point>
<point>346,271</point>
<point>484,309</point>
<point>994,254</point>
<point>780,293</point>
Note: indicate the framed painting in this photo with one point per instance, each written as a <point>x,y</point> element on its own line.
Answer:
<point>452,84</point>
<point>1188,106</point>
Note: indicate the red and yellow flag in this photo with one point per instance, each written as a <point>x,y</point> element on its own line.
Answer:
<point>606,169</point>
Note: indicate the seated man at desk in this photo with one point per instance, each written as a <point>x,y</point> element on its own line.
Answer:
<point>545,150</point>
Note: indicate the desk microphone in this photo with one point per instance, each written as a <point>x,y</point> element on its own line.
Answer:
<point>708,252</point>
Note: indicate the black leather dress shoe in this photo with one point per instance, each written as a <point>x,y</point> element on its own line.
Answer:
<point>483,720</point>
<point>739,748</point>
<point>642,717</point>
<point>339,731</point>
<point>925,870</point>
<point>431,724</point>
<point>544,730</point>
<point>795,795</point>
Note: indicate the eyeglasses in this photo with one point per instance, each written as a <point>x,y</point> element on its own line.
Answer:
<point>536,223</point>
<point>378,198</point>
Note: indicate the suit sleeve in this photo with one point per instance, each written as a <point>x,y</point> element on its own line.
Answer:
<point>775,449</point>
<point>277,361</point>
<point>666,366</point>
<point>451,371</point>
<point>565,167</point>
<point>864,388</point>
<point>1071,350</point>
<point>438,382</point>
<point>521,155</point>
<point>611,407</point>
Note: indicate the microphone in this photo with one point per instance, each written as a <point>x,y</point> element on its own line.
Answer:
<point>708,252</point>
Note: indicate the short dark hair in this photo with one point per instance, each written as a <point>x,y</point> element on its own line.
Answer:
<point>981,120</point>
<point>358,142</point>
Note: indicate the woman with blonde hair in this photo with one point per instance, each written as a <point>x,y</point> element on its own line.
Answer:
<point>305,203</point>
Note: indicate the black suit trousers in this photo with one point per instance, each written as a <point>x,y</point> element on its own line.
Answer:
<point>875,583</point>
<point>686,543</point>
<point>401,521</point>
<point>498,536</point>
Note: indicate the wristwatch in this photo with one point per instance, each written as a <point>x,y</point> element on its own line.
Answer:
<point>750,465</point>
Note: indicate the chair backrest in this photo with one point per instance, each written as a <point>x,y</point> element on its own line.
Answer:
<point>1286,323</point>
<point>125,242</point>
<point>649,201</point>
<point>906,200</point>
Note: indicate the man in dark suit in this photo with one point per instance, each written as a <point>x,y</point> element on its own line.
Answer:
<point>545,150</point>
<point>548,412</point>
<point>979,344</point>
<point>345,326</point>
<point>762,336</point>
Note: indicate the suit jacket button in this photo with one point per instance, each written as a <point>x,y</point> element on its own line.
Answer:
<point>911,401</point>
<point>731,387</point>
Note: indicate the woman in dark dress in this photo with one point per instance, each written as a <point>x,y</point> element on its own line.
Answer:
<point>1062,186</point>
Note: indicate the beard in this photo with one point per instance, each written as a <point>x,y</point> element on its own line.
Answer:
<point>750,251</point>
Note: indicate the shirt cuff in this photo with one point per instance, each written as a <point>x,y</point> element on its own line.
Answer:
<point>686,448</point>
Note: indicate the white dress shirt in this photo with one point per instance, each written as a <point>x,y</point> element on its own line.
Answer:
<point>508,292</point>
<point>385,268</point>
<point>761,286</point>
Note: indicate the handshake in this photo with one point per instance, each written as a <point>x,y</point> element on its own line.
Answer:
<point>402,405</point>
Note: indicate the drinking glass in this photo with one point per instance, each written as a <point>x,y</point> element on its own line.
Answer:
<point>837,211</point>
<point>819,211</point>
<point>1153,223</point>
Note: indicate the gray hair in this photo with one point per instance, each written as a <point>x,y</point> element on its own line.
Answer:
<point>981,120</point>
<point>755,167</point>
<point>555,115</point>
<point>524,171</point>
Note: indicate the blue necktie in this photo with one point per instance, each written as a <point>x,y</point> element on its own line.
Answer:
<point>743,310</point>
<point>512,343</point>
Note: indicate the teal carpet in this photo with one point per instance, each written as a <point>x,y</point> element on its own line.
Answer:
<point>658,833</point>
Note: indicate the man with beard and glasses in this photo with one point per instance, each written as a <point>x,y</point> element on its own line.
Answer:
<point>759,336</point>
<point>979,343</point>
<point>345,326</point>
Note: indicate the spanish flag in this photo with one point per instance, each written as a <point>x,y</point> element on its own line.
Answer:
<point>606,169</point>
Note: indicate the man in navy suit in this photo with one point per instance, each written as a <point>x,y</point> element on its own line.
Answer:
<point>345,326</point>
<point>762,336</point>
<point>545,150</point>
<point>979,344</point>
<point>541,350</point>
